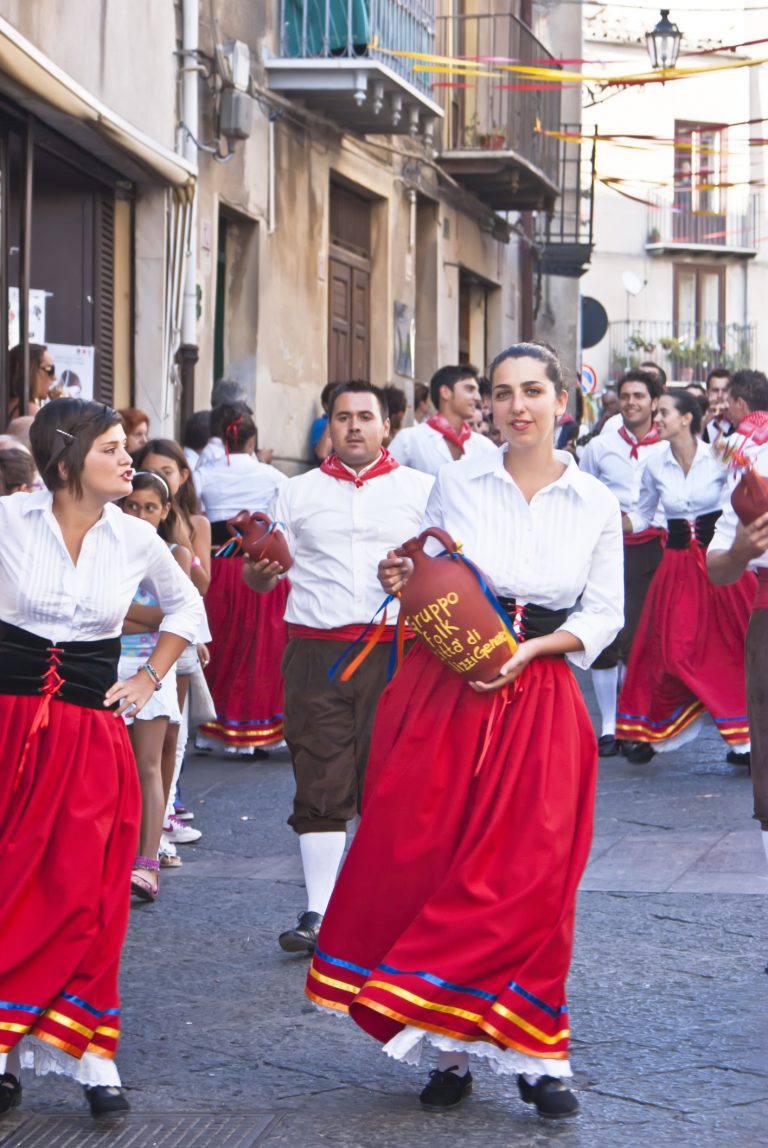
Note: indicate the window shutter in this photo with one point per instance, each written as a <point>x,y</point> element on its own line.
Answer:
<point>104,297</point>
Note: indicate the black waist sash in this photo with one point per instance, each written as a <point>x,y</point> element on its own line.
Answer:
<point>681,536</point>
<point>76,672</point>
<point>531,621</point>
<point>219,534</point>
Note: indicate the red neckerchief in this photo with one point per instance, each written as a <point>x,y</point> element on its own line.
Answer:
<point>442,426</point>
<point>755,427</point>
<point>647,439</point>
<point>335,467</point>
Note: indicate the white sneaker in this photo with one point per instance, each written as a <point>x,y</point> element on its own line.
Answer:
<point>167,846</point>
<point>180,833</point>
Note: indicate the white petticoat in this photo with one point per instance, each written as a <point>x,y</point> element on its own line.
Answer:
<point>163,703</point>
<point>43,1058</point>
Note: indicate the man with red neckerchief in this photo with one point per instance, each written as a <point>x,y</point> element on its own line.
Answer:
<point>618,457</point>
<point>340,520</point>
<point>736,548</point>
<point>447,435</point>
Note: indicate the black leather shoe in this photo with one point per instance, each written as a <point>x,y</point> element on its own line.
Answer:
<point>640,753</point>
<point>303,938</point>
<point>607,746</point>
<point>445,1090</point>
<point>551,1097</point>
<point>733,757</point>
<point>105,1099</point>
<point>10,1092</point>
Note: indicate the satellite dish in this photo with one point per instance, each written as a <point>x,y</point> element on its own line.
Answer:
<point>631,283</point>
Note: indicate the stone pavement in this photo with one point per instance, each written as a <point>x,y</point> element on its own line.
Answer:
<point>667,991</point>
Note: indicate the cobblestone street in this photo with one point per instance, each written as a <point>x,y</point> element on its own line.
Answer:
<point>667,989</point>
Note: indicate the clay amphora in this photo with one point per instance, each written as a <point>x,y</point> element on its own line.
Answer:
<point>260,537</point>
<point>750,496</point>
<point>449,612</point>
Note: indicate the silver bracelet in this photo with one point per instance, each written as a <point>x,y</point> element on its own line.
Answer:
<point>157,681</point>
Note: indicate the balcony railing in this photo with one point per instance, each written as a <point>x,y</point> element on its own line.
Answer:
<point>501,118</point>
<point>565,237</point>
<point>686,351</point>
<point>349,59</point>
<point>676,223</point>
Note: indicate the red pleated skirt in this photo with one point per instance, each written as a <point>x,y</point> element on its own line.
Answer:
<point>454,911</point>
<point>688,654</point>
<point>248,640</point>
<point>68,837</point>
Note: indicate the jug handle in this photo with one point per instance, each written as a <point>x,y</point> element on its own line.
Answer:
<point>235,525</point>
<point>441,536</point>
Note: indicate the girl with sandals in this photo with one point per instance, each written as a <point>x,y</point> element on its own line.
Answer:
<point>69,792</point>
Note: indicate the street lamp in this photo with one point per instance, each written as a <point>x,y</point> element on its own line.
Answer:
<point>664,42</point>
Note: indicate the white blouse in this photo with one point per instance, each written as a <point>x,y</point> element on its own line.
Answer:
<point>242,483</point>
<point>43,591</point>
<point>679,495</point>
<point>725,529</point>
<point>566,544</point>
<point>424,448</point>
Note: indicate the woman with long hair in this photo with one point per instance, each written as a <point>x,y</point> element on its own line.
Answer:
<point>452,920</point>
<point>70,563</point>
<point>688,655</point>
<point>42,376</point>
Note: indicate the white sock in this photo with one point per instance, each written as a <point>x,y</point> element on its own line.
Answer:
<point>764,835</point>
<point>321,855</point>
<point>456,1061</point>
<point>605,683</point>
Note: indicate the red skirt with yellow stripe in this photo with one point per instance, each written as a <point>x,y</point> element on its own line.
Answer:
<point>688,655</point>
<point>454,911</point>
<point>68,837</point>
<point>249,638</point>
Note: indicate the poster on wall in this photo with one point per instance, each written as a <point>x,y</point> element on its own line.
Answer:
<point>74,370</point>
<point>36,316</point>
<point>405,340</point>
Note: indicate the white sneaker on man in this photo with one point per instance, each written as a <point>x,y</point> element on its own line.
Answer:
<point>180,833</point>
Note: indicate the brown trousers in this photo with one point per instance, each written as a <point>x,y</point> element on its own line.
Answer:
<point>328,727</point>
<point>640,564</point>
<point>757,709</point>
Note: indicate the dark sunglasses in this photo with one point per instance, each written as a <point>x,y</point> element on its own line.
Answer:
<point>49,370</point>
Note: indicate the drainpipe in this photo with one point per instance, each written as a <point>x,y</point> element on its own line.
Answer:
<point>189,351</point>
<point>525,250</point>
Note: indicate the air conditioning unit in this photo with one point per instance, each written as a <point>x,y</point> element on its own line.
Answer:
<point>235,114</point>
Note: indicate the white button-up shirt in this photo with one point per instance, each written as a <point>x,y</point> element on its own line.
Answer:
<point>725,529</point>
<point>243,484</point>
<point>608,457</point>
<point>338,533</point>
<point>41,590</point>
<point>566,544</point>
<point>426,449</point>
<point>679,495</point>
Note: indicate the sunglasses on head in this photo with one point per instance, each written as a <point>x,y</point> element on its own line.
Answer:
<point>51,370</point>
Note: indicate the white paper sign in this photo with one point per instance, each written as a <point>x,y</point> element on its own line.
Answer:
<point>36,316</point>
<point>74,370</point>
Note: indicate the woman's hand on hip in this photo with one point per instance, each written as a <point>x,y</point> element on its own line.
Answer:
<point>132,694</point>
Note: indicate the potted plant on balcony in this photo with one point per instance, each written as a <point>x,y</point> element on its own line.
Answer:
<point>689,358</point>
<point>654,236</point>
<point>495,139</point>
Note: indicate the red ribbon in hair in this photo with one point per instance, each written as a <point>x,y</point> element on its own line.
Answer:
<point>231,427</point>
<point>335,467</point>
<point>647,439</point>
<point>442,426</point>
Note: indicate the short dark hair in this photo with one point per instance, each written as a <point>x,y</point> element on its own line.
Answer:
<point>420,394</point>
<point>484,386</point>
<point>359,387</point>
<point>718,373</point>
<point>537,351</point>
<point>16,468</point>
<point>197,430</point>
<point>153,480</point>
<point>687,403</point>
<point>325,394</point>
<point>661,374</point>
<point>449,377</point>
<point>638,375</point>
<point>223,414</point>
<point>64,432</point>
<point>752,386</point>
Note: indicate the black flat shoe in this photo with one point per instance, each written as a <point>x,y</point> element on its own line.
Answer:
<point>641,753</point>
<point>105,1099</point>
<point>445,1090</point>
<point>607,746</point>
<point>733,757</point>
<point>551,1097</point>
<point>303,938</point>
<point>10,1092</point>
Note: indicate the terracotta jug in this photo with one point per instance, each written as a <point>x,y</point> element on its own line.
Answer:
<point>750,496</point>
<point>449,612</point>
<point>260,537</point>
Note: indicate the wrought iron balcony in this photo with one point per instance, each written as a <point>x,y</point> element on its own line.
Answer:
<point>686,351</point>
<point>336,57</point>
<point>565,236</point>
<point>495,139</point>
<point>696,221</point>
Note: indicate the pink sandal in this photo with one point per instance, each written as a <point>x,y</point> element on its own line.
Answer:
<point>141,887</point>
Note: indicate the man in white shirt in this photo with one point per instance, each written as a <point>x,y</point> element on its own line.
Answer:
<point>618,457</point>
<point>716,423</point>
<point>340,519</point>
<point>446,436</point>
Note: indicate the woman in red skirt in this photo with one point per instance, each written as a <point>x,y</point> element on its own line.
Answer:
<point>452,919</point>
<point>248,632</point>
<point>688,654</point>
<point>70,562</point>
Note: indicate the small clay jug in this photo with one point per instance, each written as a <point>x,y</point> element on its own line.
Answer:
<point>750,496</point>
<point>261,538</point>
<point>447,609</point>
